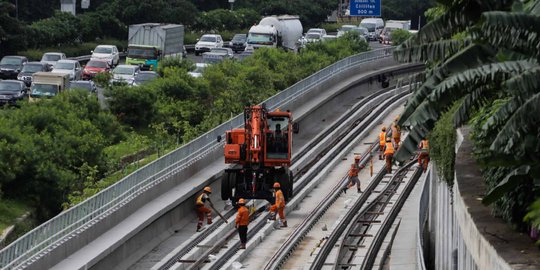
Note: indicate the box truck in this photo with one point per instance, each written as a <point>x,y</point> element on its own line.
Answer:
<point>148,43</point>
<point>276,31</point>
<point>48,84</point>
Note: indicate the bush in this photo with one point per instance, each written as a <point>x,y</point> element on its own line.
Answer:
<point>61,29</point>
<point>399,36</point>
<point>442,142</point>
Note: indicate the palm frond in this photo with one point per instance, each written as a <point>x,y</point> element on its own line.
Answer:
<point>508,183</point>
<point>525,84</point>
<point>473,99</point>
<point>532,7</point>
<point>519,136</point>
<point>455,20</point>
<point>433,51</point>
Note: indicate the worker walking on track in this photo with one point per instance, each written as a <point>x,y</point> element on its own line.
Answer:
<point>242,221</point>
<point>353,175</point>
<point>382,140</point>
<point>388,154</point>
<point>396,132</point>
<point>279,205</point>
<point>423,156</point>
<point>201,208</point>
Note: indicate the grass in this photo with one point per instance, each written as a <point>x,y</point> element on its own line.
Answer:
<point>11,210</point>
<point>132,144</point>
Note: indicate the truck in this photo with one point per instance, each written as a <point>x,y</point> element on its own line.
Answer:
<point>48,84</point>
<point>149,43</point>
<point>261,154</point>
<point>390,26</point>
<point>276,31</point>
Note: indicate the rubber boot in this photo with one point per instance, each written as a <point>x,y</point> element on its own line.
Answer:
<point>284,224</point>
<point>242,246</point>
<point>272,216</point>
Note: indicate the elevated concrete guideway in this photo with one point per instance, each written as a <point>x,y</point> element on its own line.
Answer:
<point>148,234</point>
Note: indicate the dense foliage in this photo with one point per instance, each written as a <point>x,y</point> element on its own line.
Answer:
<point>484,55</point>
<point>399,36</point>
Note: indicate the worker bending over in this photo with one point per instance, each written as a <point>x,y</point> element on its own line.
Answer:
<point>242,221</point>
<point>201,208</point>
<point>388,154</point>
<point>353,174</point>
<point>382,140</point>
<point>279,205</point>
<point>396,132</point>
<point>423,156</point>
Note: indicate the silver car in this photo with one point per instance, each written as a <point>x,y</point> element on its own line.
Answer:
<point>51,58</point>
<point>124,74</point>
<point>71,67</point>
<point>228,51</point>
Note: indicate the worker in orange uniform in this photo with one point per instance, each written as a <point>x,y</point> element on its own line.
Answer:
<point>423,156</point>
<point>201,208</point>
<point>396,132</point>
<point>388,154</point>
<point>382,140</point>
<point>279,206</point>
<point>353,174</point>
<point>242,221</point>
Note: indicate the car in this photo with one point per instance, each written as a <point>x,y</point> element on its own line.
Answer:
<point>51,58</point>
<point>124,74</point>
<point>106,52</point>
<point>362,32</point>
<point>228,51</point>
<point>29,69</point>
<point>344,29</point>
<point>199,68</point>
<point>328,38</point>
<point>145,76</point>
<point>313,37</point>
<point>12,91</point>
<point>93,67</point>
<point>319,31</point>
<point>207,42</point>
<point>238,43</point>
<point>11,65</point>
<point>71,67</point>
<point>86,85</point>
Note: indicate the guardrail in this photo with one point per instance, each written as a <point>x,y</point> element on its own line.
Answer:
<point>73,221</point>
<point>85,58</point>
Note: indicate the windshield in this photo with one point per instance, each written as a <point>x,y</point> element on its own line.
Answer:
<point>260,39</point>
<point>44,90</point>
<point>147,53</point>
<point>239,38</point>
<point>64,65</point>
<point>97,64</point>
<point>313,36</point>
<point>199,69</point>
<point>316,31</point>
<point>369,26</point>
<point>208,39</point>
<point>80,85</point>
<point>221,50</point>
<point>346,28</point>
<point>277,140</point>
<point>361,30</point>
<point>145,76</point>
<point>30,68</point>
<point>123,71</point>
<point>51,57</point>
<point>9,87</point>
<point>103,50</point>
<point>10,61</point>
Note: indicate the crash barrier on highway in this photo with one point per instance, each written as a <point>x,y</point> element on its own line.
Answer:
<point>86,58</point>
<point>72,222</point>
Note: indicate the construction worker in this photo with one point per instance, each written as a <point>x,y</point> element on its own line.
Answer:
<point>396,132</point>
<point>423,156</point>
<point>382,140</point>
<point>201,208</point>
<point>279,205</point>
<point>242,221</point>
<point>388,154</point>
<point>353,174</point>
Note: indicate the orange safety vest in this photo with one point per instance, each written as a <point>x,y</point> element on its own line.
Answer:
<point>280,200</point>
<point>382,138</point>
<point>389,148</point>
<point>242,218</point>
<point>354,170</point>
<point>396,132</point>
<point>201,199</point>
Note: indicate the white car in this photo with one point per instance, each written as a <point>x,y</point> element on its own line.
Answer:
<point>319,31</point>
<point>106,52</point>
<point>228,51</point>
<point>124,74</point>
<point>344,29</point>
<point>207,42</point>
<point>199,68</point>
<point>313,37</point>
<point>71,67</point>
<point>51,58</point>
<point>329,37</point>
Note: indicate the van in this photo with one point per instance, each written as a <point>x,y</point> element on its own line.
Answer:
<point>48,84</point>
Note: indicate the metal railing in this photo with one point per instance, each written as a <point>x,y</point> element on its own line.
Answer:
<point>73,221</point>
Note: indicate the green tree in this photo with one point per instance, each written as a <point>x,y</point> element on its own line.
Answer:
<point>399,36</point>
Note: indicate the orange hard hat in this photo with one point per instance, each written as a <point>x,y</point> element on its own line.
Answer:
<point>357,157</point>
<point>383,128</point>
<point>208,189</point>
<point>241,201</point>
<point>277,185</point>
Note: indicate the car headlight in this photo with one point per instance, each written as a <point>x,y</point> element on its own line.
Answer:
<point>230,43</point>
<point>19,77</point>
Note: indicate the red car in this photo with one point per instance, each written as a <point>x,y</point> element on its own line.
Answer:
<point>93,67</point>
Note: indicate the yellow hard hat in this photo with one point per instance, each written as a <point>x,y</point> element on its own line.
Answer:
<point>241,201</point>
<point>208,189</point>
<point>277,185</point>
<point>383,128</point>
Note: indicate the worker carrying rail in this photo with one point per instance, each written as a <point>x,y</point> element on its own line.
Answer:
<point>396,132</point>
<point>242,221</point>
<point>201,208</point>
<point>382,140</point>
<point>423,156</point>
<point>279,206</point>
<point>353,175</point>
<point>388,154</point>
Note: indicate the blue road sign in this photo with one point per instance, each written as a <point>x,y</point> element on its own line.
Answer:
<point>365,8</point>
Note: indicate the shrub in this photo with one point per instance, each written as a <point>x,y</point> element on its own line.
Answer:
<point>399,36</point>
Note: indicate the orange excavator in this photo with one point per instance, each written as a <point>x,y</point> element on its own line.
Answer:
<point>262,152</point>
